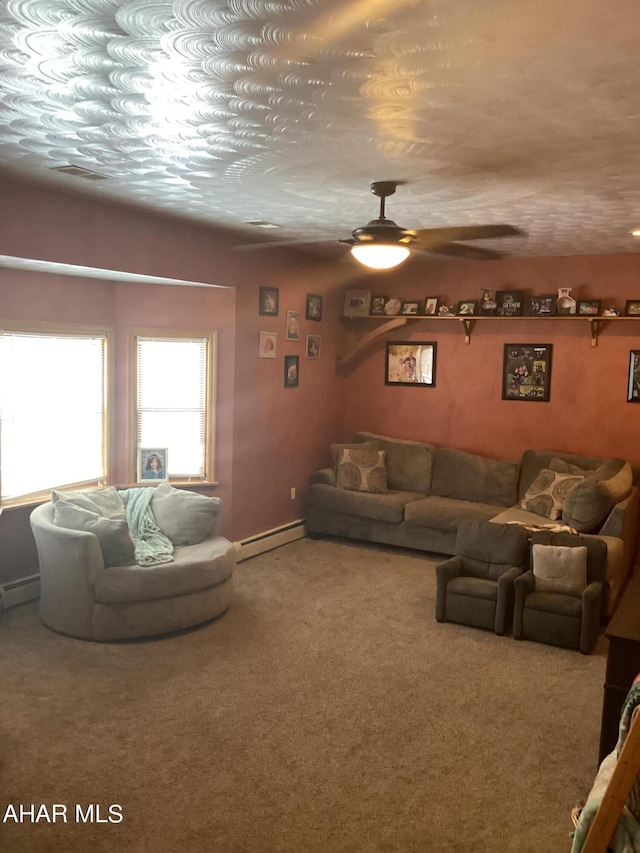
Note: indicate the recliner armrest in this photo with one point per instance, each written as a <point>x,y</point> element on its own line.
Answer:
<point>326,476</point>
<point>509,577</point>
<point>448,570</point>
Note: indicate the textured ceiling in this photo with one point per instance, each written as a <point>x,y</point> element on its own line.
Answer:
<point>524,112</point>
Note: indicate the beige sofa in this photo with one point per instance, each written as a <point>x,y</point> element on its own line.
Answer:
<point>429,490</point>
<point>87,591</point>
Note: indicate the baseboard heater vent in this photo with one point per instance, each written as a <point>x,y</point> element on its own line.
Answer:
<point>270,539</point>
<point>20,591</point>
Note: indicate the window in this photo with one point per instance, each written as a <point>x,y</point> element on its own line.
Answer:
<point>53,430</point>
<point>175,401</point>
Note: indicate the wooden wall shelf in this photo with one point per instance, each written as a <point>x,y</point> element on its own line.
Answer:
<point>388,324</point>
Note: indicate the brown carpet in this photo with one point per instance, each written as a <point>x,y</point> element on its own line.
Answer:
<point>325,711</point>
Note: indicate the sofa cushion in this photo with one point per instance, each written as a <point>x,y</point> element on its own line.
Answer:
<point>445,513</point>
<point>409,463</point>
<point>588,505</point>
<point>362,471</point>
<point>558,568</point>
<point>389,507</point>
<point>105,502</point>
<point>561,466</point>
<point>112,533</point>
<point>185,517</point>
<point>533,461</point>
<point>466,476</point>
<point>548,492</point>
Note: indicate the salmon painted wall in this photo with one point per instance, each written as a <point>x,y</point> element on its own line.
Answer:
<point>587,413</point>
<point>268,438</point>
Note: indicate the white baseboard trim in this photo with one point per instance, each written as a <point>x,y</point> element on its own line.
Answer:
<point>254,545</point>
<point>19,591</point>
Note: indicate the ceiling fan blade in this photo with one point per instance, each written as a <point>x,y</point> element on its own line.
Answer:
<point>426,237</point>
<point>460,250</point>
<point>271,244</point>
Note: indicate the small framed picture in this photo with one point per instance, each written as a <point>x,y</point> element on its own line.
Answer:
<point>633,392</point>
<point>510,303</point>
<point>410,363</point>
<point>313,346</point>
<point>410,308</point>
<point>291,371</point>
<point>540,306</point>
<point>466,307</point>
<point>267,345</point>
<point>488,304</point>
<point>431,306</point>
<point>293,326</point>
<point>392,306</point>
<point>589,307</point>
<point>377,306</point>
<point>526,372</point>
<point>269,298</point>
<point>357,303</point>
<point>152,463</point>
<point>632,307</point>
<point>313,307</point>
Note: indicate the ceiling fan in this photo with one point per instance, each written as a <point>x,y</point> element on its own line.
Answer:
<point>382,244</point>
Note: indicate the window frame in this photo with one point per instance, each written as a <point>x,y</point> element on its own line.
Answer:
<point>50,329</point>
<point>167,334</point>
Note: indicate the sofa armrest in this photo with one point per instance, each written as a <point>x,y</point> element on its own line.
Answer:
<point>523,585</point>
<point>326,476</point>
<point>591,613</point>
<point>445,572</point>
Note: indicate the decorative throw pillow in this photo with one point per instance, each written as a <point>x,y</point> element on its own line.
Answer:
<point>546,495</point>
<point>112,533</point>
<point>362,471</point>
<point>336,450</point>
<point>185,517</point>
<point>105,502</point>
<point>588,507</point>
<point>560,568</point>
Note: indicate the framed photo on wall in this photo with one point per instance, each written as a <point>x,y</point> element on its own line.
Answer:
<point>313,307</point>
<point>293,326</point>
<point>313,346</point>
<point>357,303</point>
<point>291,371</point>
<point>410,363</point>
<point>526,372</point>
<point>152,463</point>
<point>269,299</point>
<point>268,345</point>
<point>633,388</point>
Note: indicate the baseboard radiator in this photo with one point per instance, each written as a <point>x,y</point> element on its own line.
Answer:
<point>270,539</point>
<point>19,591</point>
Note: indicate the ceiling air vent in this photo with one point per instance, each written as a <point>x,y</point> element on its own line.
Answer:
<point>261,223</point>
<point>79,172</point>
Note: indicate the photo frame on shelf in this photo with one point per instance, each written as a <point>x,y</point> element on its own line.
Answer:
<point>293,326</point>
<point>268,345</point>
<point>509,303</point>
<point>431,306</point>
<point>466,307</point>
<point>632,307</point>
<point>589,307</point>
<point>377,306</point>
<point>526,372</point>
<point>357,303</point>
<point>313,346</point>
<point>152,463</point>
<point>269,301</point>
<point>410,363</point>
<point>291,371</point>
<point>487,306</point>
<point>540,306</point>
<point>633,387</point>
<point>313,307</point>
<point>410,308</point>
<point>392,306</point>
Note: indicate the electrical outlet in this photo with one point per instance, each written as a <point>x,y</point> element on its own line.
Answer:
<point>293,493</point>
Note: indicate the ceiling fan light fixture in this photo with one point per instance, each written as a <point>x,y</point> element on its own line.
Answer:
<point>380,256</point>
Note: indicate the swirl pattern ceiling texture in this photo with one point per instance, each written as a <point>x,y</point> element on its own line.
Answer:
<point>526,113</point>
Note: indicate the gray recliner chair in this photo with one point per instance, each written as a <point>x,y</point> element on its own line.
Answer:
<point>571,619</point>
<point>475,587</point>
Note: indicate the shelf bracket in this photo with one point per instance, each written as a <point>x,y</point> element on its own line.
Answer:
<point>468,326</point>
<point>342,364</point>
<point>595,324</point>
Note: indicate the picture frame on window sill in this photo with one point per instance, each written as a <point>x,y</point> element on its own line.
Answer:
<point>313,307</point>
<point>357,303</point>
<point>152,463</point>
<point>633,388</point>
<point>526,372</point>
<point>411,363</point>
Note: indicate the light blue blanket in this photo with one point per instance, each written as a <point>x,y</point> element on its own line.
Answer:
<point>151,546</point>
